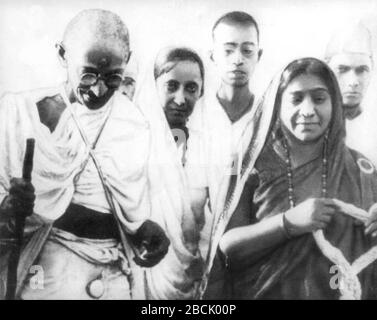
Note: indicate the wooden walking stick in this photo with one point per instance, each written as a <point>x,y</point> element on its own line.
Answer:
<point>19,225</point>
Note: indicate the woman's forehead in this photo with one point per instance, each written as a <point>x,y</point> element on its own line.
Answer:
<point>306,82</point>
<point>183,70</point>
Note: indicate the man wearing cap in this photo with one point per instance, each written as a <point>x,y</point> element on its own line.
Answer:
<point>349,55</point>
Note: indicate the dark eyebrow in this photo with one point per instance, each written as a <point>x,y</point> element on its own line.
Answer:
<point>315,90</point>
<point>344,66</point>
<point>320,89</point>
<point>363,66</point>
<point>351,66</point>
<point>249,43</point>
<point>115,71</point>
<point>311,90</point>
<point>172,81</point>
<point>89,70</point>
<point>191,83</point>
<point>234,44</point>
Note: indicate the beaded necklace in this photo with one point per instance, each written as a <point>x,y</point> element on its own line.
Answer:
<point>291,196</point>
<point>349,283</point>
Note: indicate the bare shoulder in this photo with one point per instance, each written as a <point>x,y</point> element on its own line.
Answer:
<point>50,109</point>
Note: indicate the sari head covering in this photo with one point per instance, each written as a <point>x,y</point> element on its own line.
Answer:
<point>300,268</point>
<point>168,58</point>
<point>176,275</point>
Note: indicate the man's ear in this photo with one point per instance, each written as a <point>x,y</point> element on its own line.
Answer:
<point>210,53</point>
<point>128,57</point>
<point>61,54</point>
<point>260,52</point>
<point>371,63</point>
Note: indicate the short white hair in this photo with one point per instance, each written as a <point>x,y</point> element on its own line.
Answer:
<point>96,26</point>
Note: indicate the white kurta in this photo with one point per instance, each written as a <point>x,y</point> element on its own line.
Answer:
<point>361,134</point>
<point>222,143</point>
<point>222,151</point>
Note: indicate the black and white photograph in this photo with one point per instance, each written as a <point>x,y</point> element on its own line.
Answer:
<point>188,150</point>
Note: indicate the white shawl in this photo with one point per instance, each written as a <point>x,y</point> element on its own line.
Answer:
<point>61,155</point>
<point>174,277</point>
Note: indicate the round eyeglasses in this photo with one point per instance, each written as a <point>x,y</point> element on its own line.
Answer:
<point>112,81</point>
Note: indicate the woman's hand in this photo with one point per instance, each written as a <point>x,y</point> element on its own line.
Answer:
<point>308,216</point>
<point>371,223</point>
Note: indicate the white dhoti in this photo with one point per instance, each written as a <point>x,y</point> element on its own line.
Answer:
<point>76,268</point>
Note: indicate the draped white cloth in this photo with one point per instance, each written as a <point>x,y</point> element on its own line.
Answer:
<point>224,148</point>
<point>175,276</point>
<point>222,142</point>
<point>360,134</point>
<point>61,156</point>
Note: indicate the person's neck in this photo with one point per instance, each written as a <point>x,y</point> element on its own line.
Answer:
<point>353,112</point>
<point>176,131</point>
<point>235,100</point>
<point>178,126</point>
<point>303,152</point>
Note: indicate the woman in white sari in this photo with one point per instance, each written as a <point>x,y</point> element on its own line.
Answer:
<point>176,169</point>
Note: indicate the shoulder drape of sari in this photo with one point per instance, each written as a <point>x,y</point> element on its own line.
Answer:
<point>296,268</point>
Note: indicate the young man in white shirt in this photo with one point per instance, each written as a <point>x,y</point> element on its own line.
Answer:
<point>235,55</point>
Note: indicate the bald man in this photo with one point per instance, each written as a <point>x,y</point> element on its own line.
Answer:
<point>89,197</point>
